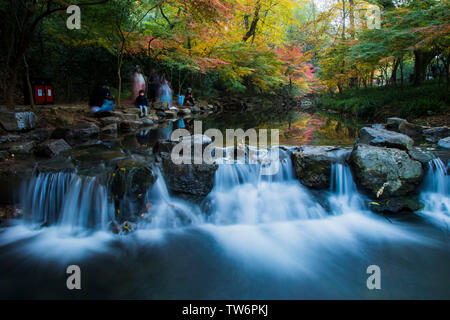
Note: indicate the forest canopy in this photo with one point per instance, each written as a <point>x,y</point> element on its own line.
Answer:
<point>224,46</point>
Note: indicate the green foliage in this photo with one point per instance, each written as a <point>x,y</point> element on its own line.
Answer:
<point>375,102</point>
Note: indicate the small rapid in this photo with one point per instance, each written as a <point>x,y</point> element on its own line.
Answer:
<point>436,191</point>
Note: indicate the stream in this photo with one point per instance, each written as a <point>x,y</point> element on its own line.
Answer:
<point>252,237</point>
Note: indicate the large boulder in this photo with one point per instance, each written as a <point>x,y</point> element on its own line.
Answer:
<point>194,179</point>
<point>410,129</point>
<point>312,165</point>
<point>435,134</point>
<point>130,182</point>
<point>52,148</point>
<point>444,143</point>
<point>17,121</point>
<point>384,138</point>
<point>385,172</point>
<point>109,120</point>
<point>394,123</point>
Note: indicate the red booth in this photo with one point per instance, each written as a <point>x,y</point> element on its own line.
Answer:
<point>39,93</point>
<point>48,93</point>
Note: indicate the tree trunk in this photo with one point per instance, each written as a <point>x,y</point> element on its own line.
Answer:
<point>29,87</point>
<point>394,71</point>
<point>421,60</point>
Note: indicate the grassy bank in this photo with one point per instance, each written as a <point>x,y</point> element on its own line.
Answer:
<point>377,103</point>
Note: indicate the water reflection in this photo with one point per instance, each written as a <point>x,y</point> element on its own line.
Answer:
<point>296,128</point>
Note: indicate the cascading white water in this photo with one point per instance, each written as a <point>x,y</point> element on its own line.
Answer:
<point>67,200</point>
<point>167,211</point>
<point>242,195</point>
<point>436,191</point>
<point>344,195</point>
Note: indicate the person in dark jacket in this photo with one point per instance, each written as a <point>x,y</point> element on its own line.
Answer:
<point>188,97</point>
<point>101,99</point>
<point>142,103</point>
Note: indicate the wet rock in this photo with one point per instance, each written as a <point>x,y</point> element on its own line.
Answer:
<point>19,150</point>
<point>130,126</point>
<point>421,156</point>
<point>11,176</point>
<point>11,138</point>
<point>435,134</point>
<point>184,111</point>
<point>109,120</point>
<point>394,123</point>
<point>52,148</point>
<point>410,129</point>
<point>384,138</point>
<point>444,143</point>
<point>385,172</point>
<point>130,181</point>
<point>195,179</point>
<point>110,129</point>
<point>162,106</point>
<point>84,130</point>
<point>171,114</point>
<point>395,205</point>
<point>4,155</point>
<point>17,121</point>
<point>312,165</point>
<point>130,116</point>
<point>41,134</point>
<point>147,122</point>
<point>195,109</point>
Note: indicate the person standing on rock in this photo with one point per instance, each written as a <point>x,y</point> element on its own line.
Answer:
<point>138,83</point>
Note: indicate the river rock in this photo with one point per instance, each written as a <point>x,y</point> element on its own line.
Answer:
<point>312,165</point>
<point>17,121</point>
<point>184,111</point>
<point>384,138</point>
<point>162,106</point>
<point>130,116</point>
<point>394,123</point>
<point>396,205</point>
<point>19,150</point>
<point>109,120</point>
<point>385,172</point>
<point>52,148</point>
<point>130,182</point>
<point>410,129</point>
<point>11,177</point>
<point>130,126</point>
<point>195,179</point>
<point>110,129</point>
<point>421,156</point>
<point>435,134</point>
<point>444,143</point>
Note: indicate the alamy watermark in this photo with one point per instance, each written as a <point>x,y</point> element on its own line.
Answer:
<point>74,20</point>
<point>200,149</point>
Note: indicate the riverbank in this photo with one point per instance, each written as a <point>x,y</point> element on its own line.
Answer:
<point>428,104</point>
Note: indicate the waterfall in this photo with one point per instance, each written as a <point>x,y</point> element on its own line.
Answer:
<point>436,191</point>
<point>167,211</point>
<point>344,195</point>
<point>67,200</point>
<point>242,195</point>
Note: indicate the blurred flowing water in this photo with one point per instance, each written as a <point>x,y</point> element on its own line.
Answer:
<point>252,237</point>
